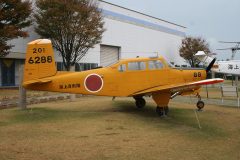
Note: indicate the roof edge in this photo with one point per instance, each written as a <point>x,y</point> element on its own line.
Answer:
<point>142,13</point>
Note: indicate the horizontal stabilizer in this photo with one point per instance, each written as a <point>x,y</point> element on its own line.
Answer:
<point>37,81</point>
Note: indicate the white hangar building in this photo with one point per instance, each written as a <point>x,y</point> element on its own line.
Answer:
<point>128,34</point>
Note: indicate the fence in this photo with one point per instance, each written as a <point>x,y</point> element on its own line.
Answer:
<point>230,91</point>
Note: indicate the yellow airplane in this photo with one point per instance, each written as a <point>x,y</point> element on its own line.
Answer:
<point>137,77</point>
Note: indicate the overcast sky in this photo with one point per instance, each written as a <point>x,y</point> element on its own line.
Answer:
<point>214,20</point>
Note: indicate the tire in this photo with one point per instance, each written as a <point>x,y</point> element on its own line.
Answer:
<point>166,110</point>
<point>140,102</point>
<point>160,111</point>
<point>200,105</point>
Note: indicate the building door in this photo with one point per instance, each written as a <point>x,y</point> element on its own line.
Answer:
<point>8,72</point>
<point>108,55</point>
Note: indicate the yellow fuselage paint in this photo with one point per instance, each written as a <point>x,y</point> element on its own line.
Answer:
<point>119,83</point>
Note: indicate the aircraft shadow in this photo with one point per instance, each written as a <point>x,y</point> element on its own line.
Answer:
<point>177,117</point>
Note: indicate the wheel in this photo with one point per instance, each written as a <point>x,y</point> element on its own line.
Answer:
<point>140,102</point>
<point>166,110</point>
<point>200,105</point>
<point>159,111</point>
<point>162,111</point>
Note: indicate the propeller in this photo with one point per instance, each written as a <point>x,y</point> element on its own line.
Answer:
<point>211,65</point>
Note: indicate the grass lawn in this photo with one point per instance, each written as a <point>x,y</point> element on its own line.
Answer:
<point>98,128</point>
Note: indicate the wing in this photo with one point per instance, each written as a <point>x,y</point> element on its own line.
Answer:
<point>183,87</point>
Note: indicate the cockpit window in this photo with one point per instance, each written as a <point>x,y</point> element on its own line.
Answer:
<point>136,66</point>
<point>152,65</point>
<point>122,68</point>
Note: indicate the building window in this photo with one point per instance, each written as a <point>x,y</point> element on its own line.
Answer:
<point>85,66</point>
<point>122,68</point>
<point>60,66</point>
<point>78,66</point>
<point>94,65</point>
<point>136,66</point>
<point>8,72</point>
<point>153,65</point>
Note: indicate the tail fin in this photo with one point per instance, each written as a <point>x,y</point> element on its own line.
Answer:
<point>39,61</point>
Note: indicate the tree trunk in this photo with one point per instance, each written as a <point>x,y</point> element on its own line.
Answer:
<point>22,91</point>
<point>72,96</point>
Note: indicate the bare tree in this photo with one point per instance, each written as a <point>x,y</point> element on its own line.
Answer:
<point>14,16</point>
<point>74,26</point>
<point>191,46</point>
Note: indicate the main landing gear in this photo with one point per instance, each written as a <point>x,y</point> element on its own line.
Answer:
<point>140,102</point>
<point>161,111</point>
<point>200,104</point>
<point>162,101</point>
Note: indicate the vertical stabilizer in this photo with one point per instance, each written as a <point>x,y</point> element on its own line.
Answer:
<point>39,62</point>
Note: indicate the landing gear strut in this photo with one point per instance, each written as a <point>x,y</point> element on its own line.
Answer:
<point>162,111</point>
<point>140,102</point>
<point>200,103</point>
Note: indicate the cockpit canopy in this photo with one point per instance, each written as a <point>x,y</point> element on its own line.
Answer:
<point>140,64</point>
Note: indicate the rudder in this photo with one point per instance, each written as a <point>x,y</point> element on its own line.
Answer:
<point>39,62</point>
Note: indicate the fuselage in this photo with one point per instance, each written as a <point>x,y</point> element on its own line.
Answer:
<point>121,79</point>
<point>227,67</point>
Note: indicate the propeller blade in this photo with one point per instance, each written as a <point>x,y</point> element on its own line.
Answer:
<point>212,54</point>
<point>211,65</point>
<point>227,42</point>
<point>226,49</point>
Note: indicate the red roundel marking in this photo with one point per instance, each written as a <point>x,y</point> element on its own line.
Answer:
<point>93,83</point>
